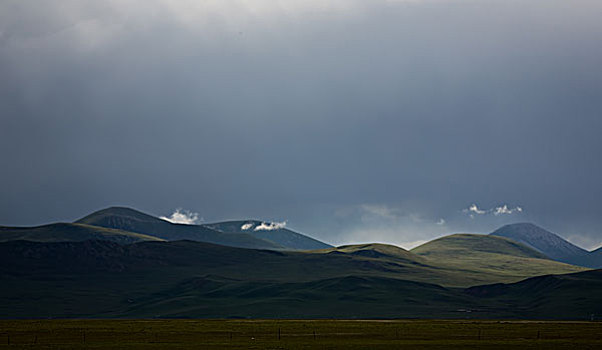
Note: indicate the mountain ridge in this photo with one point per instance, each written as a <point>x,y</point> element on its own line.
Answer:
<point>549,243</point>
<point>281,236</point>
<point>135,221</point>
<point>229,233</point>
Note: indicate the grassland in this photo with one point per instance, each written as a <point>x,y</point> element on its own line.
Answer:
<point>295,334</point>
<point>487,258</point>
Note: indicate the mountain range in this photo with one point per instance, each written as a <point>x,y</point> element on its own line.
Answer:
<point>225,233</point>
<point>119,262</point>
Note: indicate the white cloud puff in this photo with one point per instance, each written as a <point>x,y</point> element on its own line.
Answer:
<point>501,210</point>
<point>270,226</point>
<point>505,210</point>
<point>182,217</point>
<point>475,209</point>
<point>246,226</point>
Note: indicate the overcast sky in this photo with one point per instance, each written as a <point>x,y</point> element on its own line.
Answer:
<point>351,120</point>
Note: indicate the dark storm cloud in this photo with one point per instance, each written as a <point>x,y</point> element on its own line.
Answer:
<point>353,120</point>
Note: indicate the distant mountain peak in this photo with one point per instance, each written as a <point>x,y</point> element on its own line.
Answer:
<point>544,241</point>
<point>116,211</point>
<point>271,231</point>
<point>527,228</point>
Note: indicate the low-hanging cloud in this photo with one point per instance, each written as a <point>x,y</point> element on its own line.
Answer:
<point>180,216</point>
<point>270,226</point>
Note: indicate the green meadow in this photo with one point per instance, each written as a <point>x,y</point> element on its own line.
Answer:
<point>298,334</point>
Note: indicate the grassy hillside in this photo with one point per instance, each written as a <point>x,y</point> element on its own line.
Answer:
<point>577,295</point>
<point>194,279</point>
<point>376,250</point>
<point>134,221</point>
<point>188,259</point>
<point>484,257</point>
<point>99,278</point>
<point>346,297</point>
<point>472,243</point>
<point>65,232</point>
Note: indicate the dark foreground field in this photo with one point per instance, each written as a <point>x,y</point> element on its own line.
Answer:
<point>292,334</point>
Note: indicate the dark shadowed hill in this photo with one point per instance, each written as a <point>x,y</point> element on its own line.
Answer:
<point>596,255</point>
<point>271,232</point>
<point>134,221</point>
<point>548,243</point>
<point>198,279</point>
<point>192,258</point>
<point>65,232</point>
<point>338,297</point>
<point>577,295</point>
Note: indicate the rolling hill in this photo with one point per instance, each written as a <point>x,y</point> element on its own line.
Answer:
<point>134,221</point>
<point>377,250</point>
<point>192,279</point>
<point>262,230</point>
<point>119,262</point>
<point>64,232</point>
<point>577,296</point>
<point>195,279</point>
<point>338,297</point>
<point>256,234</point>
<point>483,255</point>
<point>549,244</point>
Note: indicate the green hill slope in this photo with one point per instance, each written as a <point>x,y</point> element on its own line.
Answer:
<point>376,250</point>
<point>484,256</point>
<point>475,244</point>
<point>65,232</point>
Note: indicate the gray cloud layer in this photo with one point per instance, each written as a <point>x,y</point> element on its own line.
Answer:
<point>304,111</point>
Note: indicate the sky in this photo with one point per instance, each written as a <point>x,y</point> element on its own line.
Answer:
<point>348,120</point>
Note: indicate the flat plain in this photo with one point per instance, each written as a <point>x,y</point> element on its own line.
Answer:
<point>298,334</point>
